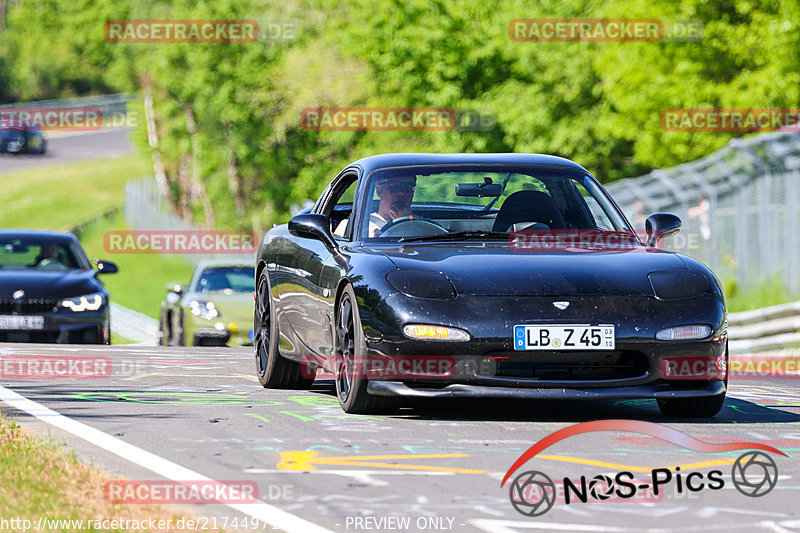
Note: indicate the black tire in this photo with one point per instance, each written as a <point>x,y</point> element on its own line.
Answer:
<point>273,371</point>
<point>163,334</point>
<point>179,337</point>
<point>351,384</point>
<point>704,407</point>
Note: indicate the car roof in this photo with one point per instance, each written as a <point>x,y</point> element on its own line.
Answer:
<point>411,159</point>
<point>215,262</point>
<point>15,125</point>
<point>31,233</point>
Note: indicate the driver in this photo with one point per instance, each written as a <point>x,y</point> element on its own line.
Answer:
<point>395,194</point>
<point>50,253</point>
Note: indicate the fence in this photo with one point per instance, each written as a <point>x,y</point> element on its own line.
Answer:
<point>740,207</point>
<point>111,105</point>
<point>147,209</point>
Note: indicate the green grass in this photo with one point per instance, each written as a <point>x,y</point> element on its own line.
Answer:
<point>140,283</point>
<point>116,339</point>
<point>61,197</point>
<point>768,293</point>
<point>39,479</point>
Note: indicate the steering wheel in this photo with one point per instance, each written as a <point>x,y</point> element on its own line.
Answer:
<point>49,263</point>
<point>424,226</point>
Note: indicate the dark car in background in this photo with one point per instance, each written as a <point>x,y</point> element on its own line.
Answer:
<point>515,274</point>
<point>21,139</point>
<point>49,291</point>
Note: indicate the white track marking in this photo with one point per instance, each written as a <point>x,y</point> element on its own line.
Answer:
<point>163,467</point>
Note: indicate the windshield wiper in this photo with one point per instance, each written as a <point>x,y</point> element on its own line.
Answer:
<point>457,236</point>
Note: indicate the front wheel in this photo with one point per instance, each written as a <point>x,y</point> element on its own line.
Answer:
<point>704,407</point>
<point>349,359</point>
<point>274,371</point>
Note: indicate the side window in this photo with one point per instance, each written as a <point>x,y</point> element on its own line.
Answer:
<point>600,217</point>
<point>339,206</point>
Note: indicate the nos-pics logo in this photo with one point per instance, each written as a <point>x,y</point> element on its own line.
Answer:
<point>533,493</point>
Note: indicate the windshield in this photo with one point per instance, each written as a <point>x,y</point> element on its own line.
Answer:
<point>226,279</point>
<point>28,253</point>
<point>410,202</point>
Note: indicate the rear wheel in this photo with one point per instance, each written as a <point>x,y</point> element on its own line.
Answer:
<point>163,332</point>
<point>704,407</point>
<point>351,384</point>
<point>274,371</point>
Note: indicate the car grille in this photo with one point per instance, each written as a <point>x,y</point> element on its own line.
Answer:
<point>573,366</point>
<point>28,305</point>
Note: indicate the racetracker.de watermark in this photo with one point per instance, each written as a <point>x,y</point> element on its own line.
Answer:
<point>200,31</point>
<point>179,242</point>
<point>35,367</point>
<point>188,492</point>
<point>393,119</point>
<point>63,367</point>
<point>52,118</point>
<point>605,30</point>
<point>181,31</point>
<point>730,120</point>
<point>395,367</point>
<point>693,368</point>
<point>552,241</point>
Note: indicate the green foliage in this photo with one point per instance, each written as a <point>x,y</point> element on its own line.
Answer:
<point>228,115</point>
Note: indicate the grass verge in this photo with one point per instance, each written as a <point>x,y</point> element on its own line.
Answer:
<point>768,293</point>
<point>39,479</point>
<point>61,197</point>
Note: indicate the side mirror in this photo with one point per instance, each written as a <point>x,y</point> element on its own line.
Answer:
<point>312,226</point>
<point>661,225</point>
<point>175,287</point>
<point>174,292</point>
<point>105,267</point>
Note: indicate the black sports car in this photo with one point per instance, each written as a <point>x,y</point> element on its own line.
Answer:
<point>19,139</point>
<point>49,291</point>
<point>490,275</point>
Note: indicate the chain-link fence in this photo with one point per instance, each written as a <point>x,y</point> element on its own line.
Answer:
<point>740,208</point>
<point>146,209</point>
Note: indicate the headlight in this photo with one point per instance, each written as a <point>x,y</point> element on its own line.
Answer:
<point>677,284</point>
<point>204,310</point>
<point>90,302</point>
<point>684,333</point>
<point>422,284</point>
<point>429,332</point>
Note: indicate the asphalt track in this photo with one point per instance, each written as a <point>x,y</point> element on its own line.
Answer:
<point>73,147</point>
<point>201,414</point>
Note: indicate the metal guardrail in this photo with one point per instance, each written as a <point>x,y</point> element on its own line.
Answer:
<point>107,103</point>
<point>740,208</point>
<point>770,329</point>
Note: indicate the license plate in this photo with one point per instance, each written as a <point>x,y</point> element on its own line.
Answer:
<point>21,322</point>
<point>568,337</point>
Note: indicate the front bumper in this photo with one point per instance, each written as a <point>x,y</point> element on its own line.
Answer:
<point>488,365</point>
<point>460,390</point>
<point>89,327</point>
<point>221,337</point>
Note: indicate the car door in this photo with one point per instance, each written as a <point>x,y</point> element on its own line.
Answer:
<point>306,303</point>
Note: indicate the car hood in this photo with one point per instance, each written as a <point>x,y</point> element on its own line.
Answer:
<point>48,283</point>
<point>237,307</point>
<point>495,269</point>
